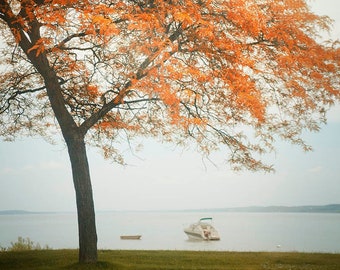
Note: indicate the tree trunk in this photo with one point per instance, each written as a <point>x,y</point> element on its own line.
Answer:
<point>73,135</point>
<point>85,205</point>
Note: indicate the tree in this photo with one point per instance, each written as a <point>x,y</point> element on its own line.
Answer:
<point>224,74</point>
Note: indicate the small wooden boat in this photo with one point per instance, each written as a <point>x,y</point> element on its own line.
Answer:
<point>130,237</point>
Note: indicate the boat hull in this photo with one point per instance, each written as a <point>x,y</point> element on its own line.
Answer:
<point>130,237</point>
<point>194,236</point>
<point>198,236</point>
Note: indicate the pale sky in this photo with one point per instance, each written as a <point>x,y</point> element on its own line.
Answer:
<point>36,176</point>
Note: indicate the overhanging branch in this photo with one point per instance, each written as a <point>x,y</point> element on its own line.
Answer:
<point>6,106</point>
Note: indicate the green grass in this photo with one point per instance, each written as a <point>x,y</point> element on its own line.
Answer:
<point>174,260</point>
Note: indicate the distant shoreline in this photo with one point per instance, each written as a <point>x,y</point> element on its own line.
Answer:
<point>329,208</point>
<point>22,212</point>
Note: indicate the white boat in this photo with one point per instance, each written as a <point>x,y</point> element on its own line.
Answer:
<point>202,230</point>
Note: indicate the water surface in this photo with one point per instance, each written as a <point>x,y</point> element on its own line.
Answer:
<point>304,232</point>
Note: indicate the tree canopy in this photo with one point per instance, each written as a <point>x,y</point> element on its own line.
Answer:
<point>176,70</point>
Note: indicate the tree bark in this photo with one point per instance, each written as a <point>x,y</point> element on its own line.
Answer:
<point>84,198</point>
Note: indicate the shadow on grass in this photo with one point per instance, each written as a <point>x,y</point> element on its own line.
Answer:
<point>98,265</point>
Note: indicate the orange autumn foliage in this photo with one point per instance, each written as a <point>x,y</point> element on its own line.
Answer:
<point>199,70</point>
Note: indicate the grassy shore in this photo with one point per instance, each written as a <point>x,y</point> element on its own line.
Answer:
<point>175,260</point>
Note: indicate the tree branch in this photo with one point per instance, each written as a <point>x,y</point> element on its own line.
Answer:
<point>61,44</point>
<point>18,93</point>
<point>88,123</point>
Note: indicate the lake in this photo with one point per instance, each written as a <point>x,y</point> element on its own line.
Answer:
<point>303,232</point>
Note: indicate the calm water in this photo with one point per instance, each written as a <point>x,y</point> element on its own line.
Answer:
<point>164,230</point>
